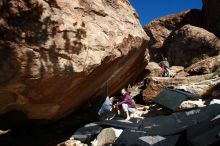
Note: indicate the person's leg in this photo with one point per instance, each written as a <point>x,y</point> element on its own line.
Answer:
<point>166,72</point>
<point>125,109</point>
<point>132,111</point>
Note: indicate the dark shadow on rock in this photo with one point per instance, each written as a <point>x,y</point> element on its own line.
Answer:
<point>75,46</point>
<point>6,68</point>
<point>26,132</point>
<point>12,119</point>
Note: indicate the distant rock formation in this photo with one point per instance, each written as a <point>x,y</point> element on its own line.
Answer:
<point>160,29</point>
<point>190,43</point>
<point>55,55</point>
<point>189,39</point>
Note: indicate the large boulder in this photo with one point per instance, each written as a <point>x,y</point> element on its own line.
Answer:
<point>159,29</point>
<point>206,66</point>
<point>211,14</point>
<point>202,88</point>
<point>156,84</point>
<point>55,55</point>
<point>189,44</point>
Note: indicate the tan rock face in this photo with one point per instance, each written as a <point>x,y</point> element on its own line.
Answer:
<point>55,54</point>
<point>206,66</point>
<point>190,43</point>
<point>202,88</point>
<point>211,13</point>
<point>160,29</point>
<point>156,84</point>
<point>176,70</point>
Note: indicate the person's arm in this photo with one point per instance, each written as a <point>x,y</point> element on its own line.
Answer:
<point>120,103</point>
<point>125,100</point>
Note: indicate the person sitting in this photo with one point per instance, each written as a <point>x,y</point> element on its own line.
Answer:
<point>165,69</point>
<point>165,72</point>
<point>106,108</point>
<point>127,104</point>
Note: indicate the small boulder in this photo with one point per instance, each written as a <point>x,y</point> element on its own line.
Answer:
<point>72,142</point>
<point>192,104</point>
<point>107,136</point>
<point>2,132</point>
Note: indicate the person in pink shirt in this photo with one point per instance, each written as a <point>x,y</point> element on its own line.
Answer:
<point>127,104</point>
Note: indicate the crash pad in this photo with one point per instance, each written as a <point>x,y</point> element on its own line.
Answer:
<point>204,134</point>
<point>178,122</point>
<point>87,132</point>
<point>172,98</point>
<point>200,114</point>
<point>164,125</point>
<point>133,123</point>
<point>141,138</point>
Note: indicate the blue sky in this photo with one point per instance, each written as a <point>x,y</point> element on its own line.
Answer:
<point>149,10</point>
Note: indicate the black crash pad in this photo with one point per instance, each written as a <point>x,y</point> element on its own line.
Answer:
<point>133,123</point>
<point>141,138</point>
<point>178,122</point>
<point>164,125</point>
<point>200,114</point>
<point>204,134</point>
<point>172,98</point>
<point>87,132</point>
